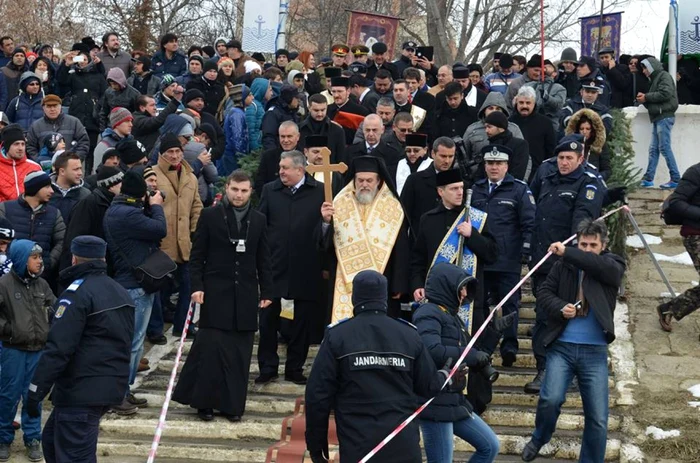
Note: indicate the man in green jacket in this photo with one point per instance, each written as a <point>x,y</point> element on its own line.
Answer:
<point>661,101</point>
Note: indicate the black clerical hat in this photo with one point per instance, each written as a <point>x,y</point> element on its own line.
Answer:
<point>448,177</point>
<point>316,141</point>
<point>416,139</point>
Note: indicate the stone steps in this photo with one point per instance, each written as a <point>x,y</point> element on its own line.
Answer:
<point>188,440</point>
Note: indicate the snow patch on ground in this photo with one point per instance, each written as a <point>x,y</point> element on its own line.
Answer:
<point>658,433</point>
<point>634,241</point>
<point>694,404</point>
<point>683,259</point>
<point>695,390</point>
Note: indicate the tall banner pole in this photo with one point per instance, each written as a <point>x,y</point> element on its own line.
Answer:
<point>282,28</point>
<point>672,39</point>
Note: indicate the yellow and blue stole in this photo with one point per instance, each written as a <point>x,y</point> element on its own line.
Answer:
<point>449,250</point>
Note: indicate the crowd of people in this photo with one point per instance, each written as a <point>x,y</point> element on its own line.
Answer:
<point>109,164</point>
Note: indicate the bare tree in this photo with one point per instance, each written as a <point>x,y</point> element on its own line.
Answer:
<point>41,21</point>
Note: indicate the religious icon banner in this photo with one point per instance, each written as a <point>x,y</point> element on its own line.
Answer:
<point>590,29</point>
<point>369,28</point>
<point>260,23</point>
<point>688,28</point>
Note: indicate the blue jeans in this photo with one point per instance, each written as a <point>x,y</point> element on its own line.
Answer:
<point>183,299</point>
<point>590,364</point>
<point>661,142</point>
<point>438,442</point>
<point>156,323</point>
<point>144,304</point>
<point>18,368</point>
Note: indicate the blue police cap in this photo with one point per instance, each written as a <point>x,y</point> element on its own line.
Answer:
<point>573,142</point>
<point>89,247</point>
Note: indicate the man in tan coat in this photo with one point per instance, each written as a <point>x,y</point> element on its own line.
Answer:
<point>182,207</point>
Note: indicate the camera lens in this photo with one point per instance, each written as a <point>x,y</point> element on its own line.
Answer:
<point>490,373</point>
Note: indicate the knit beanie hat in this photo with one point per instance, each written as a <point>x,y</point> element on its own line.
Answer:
<point>7,231</point>
<point>192,94</point>
<point>210,66</point>
<point>149,172</point>
<point>130,151</point>
<point>197,58</point>
<point>133,185</point>
<point>109,176</point>
<point>11,134</point>
<point>35,181</point>
<point>498,119</point>
<point>186,131</point>
<point>166,81</point>
<point>169,141</point>
<point>224,60</point>
<point>118,116</point>
<point>369,290</point>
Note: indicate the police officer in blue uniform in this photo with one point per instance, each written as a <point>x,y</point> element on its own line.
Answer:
<point>564,198</point>
<point>86,358</point>
<point>369,369</point>
<point>511,217</point>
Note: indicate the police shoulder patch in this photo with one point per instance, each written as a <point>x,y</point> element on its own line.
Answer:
<point>61,307</point>
<point>591,174</point>
<point>73,287</point>
<point>342,320</point>
<point>407,323</point>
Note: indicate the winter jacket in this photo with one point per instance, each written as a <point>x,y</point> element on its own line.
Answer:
<point>236,133</point>
<point>684,202</point>
<point>550,99</point>
<point>125,98</point>
<point>12,173</point>
<point>255,112</point>
<point>175,66</point>
<point>569,80</point>
<point>12,75</point>
<point>213,93</point>
<point>25,108</point>
<point>596,150</point>
<point>661,99</point>
<point>162,102</point>
<point>109,139</point>
<point>146,127</point>
<point>576,104</point>
<point>186,78</point>
<point>272,120</point>
<point>620,80</point>
<point>146,84</point>
<point>499,82</point>
<point>132,234</point>
<point>66,200</point>
<point>445,337</point>
<point>540,136</point>
<point>601,282</point>
<point>85,87</point>
<point>475,137</point>
<point>24,304</point>
<point>73,131</point>
<point>206,174</point>
<point>182,207</point>
<point>119,60</point>
<point>44,226</point>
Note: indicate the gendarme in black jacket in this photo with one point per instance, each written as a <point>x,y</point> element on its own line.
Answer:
<point>602,278</point>
<point>685,201</point>
<point>445,338</point>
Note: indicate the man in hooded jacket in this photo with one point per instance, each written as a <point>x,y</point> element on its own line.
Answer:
<point>284,110</point>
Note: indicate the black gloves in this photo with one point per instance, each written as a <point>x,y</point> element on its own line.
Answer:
<point>502,323</point>
<point>459,381</point>
<point>481,359</point>
<point>317,456</point>
<point>617,194</point>
<point>33,406</point>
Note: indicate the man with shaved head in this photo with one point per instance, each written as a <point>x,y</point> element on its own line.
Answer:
<point>444,77</point>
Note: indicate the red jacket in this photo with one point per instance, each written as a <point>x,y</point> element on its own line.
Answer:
<point>12,173</point>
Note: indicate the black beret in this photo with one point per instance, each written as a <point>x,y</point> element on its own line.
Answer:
<point>88,246</point>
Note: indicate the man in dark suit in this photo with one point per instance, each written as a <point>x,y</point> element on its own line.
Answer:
<point>380,60</point>
<point>292,206</point>
<point>268,170</point>
<point>419,195</point>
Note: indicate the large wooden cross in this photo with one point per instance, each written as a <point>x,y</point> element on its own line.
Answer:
<point>327,169</point>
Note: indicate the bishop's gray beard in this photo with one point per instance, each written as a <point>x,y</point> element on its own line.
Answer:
<point>365,197</point>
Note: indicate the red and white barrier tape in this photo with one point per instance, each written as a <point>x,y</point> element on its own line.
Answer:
<point>483,326</point>
<point>171,385</point>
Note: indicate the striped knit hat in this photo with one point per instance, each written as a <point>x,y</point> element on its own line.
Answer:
<point>118,116</point>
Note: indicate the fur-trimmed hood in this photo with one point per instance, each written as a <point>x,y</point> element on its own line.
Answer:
<point>596,123</point>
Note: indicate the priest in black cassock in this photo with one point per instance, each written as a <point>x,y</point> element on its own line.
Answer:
<point>230,260</point>
<point>367,228</point>
<point>344,110</point>
<point>437,241</point>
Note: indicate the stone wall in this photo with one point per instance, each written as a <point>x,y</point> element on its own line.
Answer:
<point>685,139</point>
